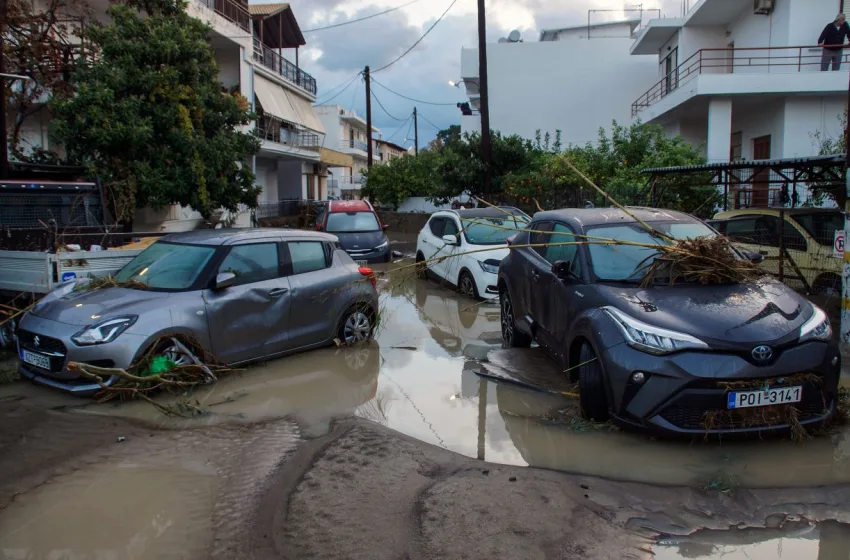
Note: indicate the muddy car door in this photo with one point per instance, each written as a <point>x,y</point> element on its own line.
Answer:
<point>539,274</point>
<point>250,319</point>
<point>319,289</point>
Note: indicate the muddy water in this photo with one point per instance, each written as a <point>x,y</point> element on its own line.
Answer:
<point>794,541</point>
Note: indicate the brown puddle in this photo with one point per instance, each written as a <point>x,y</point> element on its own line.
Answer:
<point>800,540</point>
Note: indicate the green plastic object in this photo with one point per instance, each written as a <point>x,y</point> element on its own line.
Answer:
<point>158,365</point>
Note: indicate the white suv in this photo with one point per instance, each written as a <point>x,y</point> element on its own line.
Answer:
<point>455,234</point>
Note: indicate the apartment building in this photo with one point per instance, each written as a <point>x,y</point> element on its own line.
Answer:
<point>249,40</point>
<point>347,134</point>
<point>388,151</point>
<point>574,79</point>
<point>743,78</point>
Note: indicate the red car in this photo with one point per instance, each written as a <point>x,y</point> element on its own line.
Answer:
<point>358,228</point>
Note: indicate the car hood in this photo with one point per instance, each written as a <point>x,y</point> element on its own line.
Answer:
<point>735,313</point>
<point>360,241</point>
<point>85,307</point>
<point>497,252</point>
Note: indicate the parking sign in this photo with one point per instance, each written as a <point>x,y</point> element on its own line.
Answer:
<point>838,243</point>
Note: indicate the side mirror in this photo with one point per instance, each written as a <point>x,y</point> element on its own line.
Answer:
<point>450,239</point>
<point>563,270</point>
<point>224,280</point>
<point>385,227</point>
<point>753,257</point>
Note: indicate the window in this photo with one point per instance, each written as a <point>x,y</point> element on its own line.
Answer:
<point>752,229</point>
<point>350,222</point>
<point>736,144</point>
<point>437,225</point>
<point>451,227</point>
<point>567,253</point>
<point>167,266</point>
<point>252,263</point>
<point>792,239</point>
<point>821,225</point>
<point>307,256</point>
<point>492,231</point>
<point>539,236</point>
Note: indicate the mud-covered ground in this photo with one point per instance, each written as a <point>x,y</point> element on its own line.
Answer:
<point>399,450</point>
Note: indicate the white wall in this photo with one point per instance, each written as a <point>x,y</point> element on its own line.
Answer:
<point>808,18</point>
<point>228,60</point>
<point>572,86</point>
<point>754,122</point>
<point>805,116</point>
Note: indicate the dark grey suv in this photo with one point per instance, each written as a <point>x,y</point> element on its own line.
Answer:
<point>664,358</point>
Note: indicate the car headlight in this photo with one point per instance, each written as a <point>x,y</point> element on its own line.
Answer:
<point>382,246</point>
<point>490,265</point>
<point>651,339</point>
<point>103,332</point>
<point>817,327</point>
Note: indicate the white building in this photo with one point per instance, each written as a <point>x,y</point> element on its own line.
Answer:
<point>248,41</point>
<point>346,133</point>
<point>575,79</point>
<point>744,82</point>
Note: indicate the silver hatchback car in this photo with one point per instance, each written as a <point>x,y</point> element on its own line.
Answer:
<point>240,295</point>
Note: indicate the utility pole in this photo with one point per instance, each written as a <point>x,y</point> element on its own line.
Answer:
<point>845,284</point>
<point>4,141</point>
<point>416,131</point>
<point>486,152</point>
<point>368,118</point>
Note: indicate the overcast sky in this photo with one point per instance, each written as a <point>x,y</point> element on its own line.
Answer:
<point>334,56</point>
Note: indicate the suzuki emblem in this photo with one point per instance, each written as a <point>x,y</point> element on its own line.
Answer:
<point>36,340</point>
<point>762,353</point>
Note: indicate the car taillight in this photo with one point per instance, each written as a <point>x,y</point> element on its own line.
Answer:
<point>368,272</point>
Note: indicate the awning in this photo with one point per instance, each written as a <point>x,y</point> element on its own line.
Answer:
<point>304,109</point>
<point>274,101</point>
<point>336,159</point>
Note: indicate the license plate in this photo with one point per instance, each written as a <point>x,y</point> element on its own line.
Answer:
<point>35,359</point>
<point>769,397</point>
<point>361,263</point>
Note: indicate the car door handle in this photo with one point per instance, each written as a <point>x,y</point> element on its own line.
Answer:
<point>277,292</point>
<point>535,274</point>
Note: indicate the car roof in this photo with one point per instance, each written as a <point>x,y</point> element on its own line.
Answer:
<point>349,206</point>
<point>216,237</point>
<point>729,214</point>
<point>589,217</point>
<point>486,212</point>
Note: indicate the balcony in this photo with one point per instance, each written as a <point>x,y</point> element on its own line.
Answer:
<point>747,70</point>
<point>231,11</point>
<point>351,144</point>
<point>279,65</point>
<point>273,130</point>
<point>352,181</point>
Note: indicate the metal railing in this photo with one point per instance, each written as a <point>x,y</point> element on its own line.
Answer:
<point>231,11</point>
<point>354,144</point>
<point>272,129</point>
<point>267,56</point>
<point>759,60</point>
<point>352,179</point>
<point>287,207</point>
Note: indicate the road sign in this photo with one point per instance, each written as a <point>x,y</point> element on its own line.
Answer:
<point>838,243</point>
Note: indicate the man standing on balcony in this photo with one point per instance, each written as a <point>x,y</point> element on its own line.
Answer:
<point>833,37</point>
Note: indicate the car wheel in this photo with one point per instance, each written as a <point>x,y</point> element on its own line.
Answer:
<point>7,334</point>
<point>421,267</point>
<point>357,325</point>
<point>827,285</point>
<point>592,398</point>
<point>466,285</point>
<point>511,336</point>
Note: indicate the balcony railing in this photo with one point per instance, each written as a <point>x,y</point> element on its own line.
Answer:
<point>352,180</point>
<point>273,61</point>
<point>354,144</point>
<point>231,11</point>
<point>272,129</point>
<point>761,60</point>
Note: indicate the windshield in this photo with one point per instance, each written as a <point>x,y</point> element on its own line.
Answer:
<point>625,262</point>
<point>167,266</point>
<point>821,225</point>
<point>492,231</point>
<point>351,222</point>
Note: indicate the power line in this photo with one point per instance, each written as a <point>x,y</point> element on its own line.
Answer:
<point>419,40</point>
<point>410,98</point>
<point>381,105</point>
<point>340,92</point>
<point>407,136</point>
<point>360,19</point>
<point>424,118</point>
<point>399,129</point>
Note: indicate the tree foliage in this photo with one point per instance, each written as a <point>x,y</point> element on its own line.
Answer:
<point>822,191</point>
<point>149,117</point>
<point>402,178</point>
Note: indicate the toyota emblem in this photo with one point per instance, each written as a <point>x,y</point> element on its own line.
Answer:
<point>36,341</point>
<point>762,353</point>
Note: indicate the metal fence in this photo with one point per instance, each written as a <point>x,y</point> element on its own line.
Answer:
<point>273,61</point>
<point>34,210</point>
<point>231,11</point>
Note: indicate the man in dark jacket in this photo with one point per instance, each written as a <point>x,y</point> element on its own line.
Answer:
<point>833,37</point>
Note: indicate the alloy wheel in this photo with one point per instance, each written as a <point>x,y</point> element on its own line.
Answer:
<point>507,319</point>
<point>357,328</point>
<point>467,287</point>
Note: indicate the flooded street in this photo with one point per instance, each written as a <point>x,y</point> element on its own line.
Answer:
<point>151,495</point>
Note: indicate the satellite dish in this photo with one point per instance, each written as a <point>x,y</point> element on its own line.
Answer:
<point>514,36</point>
<point>502,40</point>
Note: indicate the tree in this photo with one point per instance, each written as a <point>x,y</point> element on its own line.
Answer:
<point>821,191</point>
<point>148,115</point>
<point>400,178</point>
<point>43,44</point>
<point>445,138</point>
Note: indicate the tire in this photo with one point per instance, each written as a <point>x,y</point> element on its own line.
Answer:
<point>8,338</point>
<point>511,336</point>
<point>592,396</point>
<point>357,325</point>
<point>827,285</point>
<point>466,285</point>
<point>421,268</point>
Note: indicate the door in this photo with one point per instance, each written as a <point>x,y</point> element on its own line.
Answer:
<point>796,252</point>
<point>539,276</point>
<point>756,234</point>
<point>670,71</point>
<point>555,310</point>
<point>250,319</point>
<point>447,268</point>
<point>316,289</point>
<point>430,238</point>
<point>761,177</point>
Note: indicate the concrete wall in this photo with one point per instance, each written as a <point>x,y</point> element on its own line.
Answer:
<point>229,67</point>
<point>806,116</point>
<point>574,86</point>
